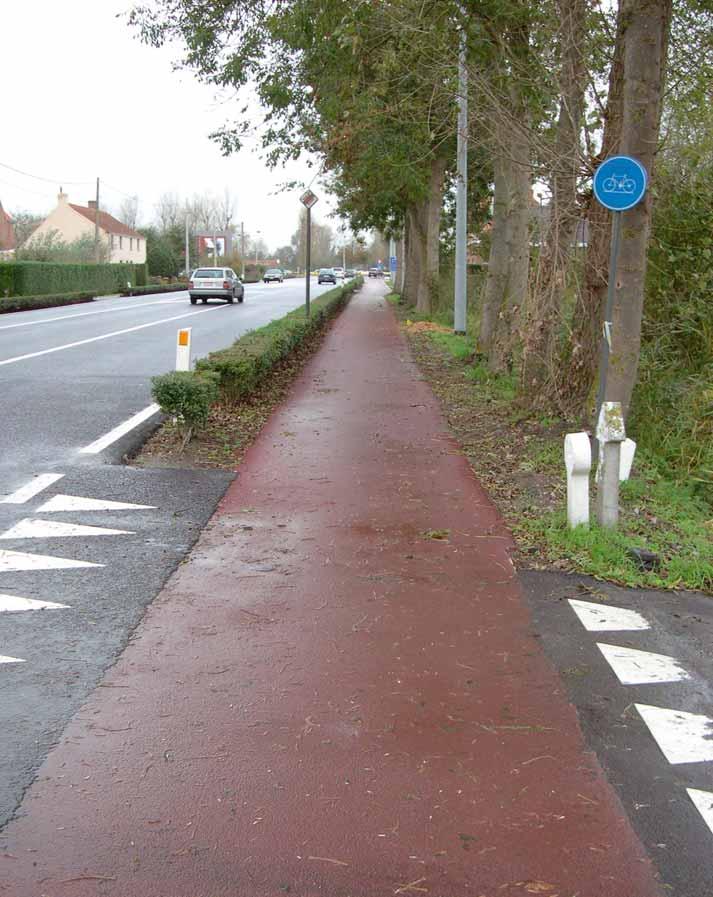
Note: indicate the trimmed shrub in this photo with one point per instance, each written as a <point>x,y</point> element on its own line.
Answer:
<point>155,288</point>
<point>188,396</point>
<point>28,303</point>
<point>250,359</point>
<point>45,278</point>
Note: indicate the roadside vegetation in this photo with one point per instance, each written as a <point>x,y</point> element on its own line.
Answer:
<point>218,409</point>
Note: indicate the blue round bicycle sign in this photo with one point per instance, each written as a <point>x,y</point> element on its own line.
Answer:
<point>619,183</point>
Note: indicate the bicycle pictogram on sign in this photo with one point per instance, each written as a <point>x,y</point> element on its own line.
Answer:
<point>619,183</point>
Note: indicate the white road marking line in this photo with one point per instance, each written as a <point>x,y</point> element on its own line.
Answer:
<point>19,560</point>
<point>94,339</point>
<point>106,440</point>
<point>634,667</point>
<point>682,737</point>
<point>79,503</point>
<point>52,529</point>
<point>29,490</point>
<point>703,801</point>
<point>605,618</point>
<point>85,314</point>
<point>4,659</point>
<point>10,604</point>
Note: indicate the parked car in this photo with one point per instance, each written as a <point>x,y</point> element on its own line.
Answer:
<point>350,272</point>
<point>273,274</point>
<point>327,275</point>
<point>215,283</point>
<point>375,272</point>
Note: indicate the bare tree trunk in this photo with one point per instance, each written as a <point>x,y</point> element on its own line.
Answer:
<point>496,278</point>
<point>505,337</point>
<point>578,374</point>
<point>540,337</point>
<point>647,25</point>
<point>428,234</point>
<point>411,260</point>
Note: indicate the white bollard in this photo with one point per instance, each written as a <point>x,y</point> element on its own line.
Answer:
<point>611,434</point>
<point>628,450</point>
<point>183,350</point>
<point>578,461</point>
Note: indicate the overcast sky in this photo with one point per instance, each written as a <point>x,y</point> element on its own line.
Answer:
<point>81,97</point>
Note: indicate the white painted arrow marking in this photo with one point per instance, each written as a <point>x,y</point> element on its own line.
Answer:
<point>703,801</point>
<point>13,603</point>
<point>682,737</point>
<point>634,667</point>
<point>49,529</point>
<point>4,659</point>
<point>77,503</point>
<point>18,560</point>
<point>29,490</point>
<point>603,618</point>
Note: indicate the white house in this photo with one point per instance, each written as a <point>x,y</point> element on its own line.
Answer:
<point>71,221</point>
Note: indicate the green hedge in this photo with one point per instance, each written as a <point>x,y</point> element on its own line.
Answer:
<point>44,278</point>
<point>251,358</point>
<point>155,288</point>
<point>27,303</point>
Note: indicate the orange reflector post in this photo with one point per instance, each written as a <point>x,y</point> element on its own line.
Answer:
<point>183,337</point>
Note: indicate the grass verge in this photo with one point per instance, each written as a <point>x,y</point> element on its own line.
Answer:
<point>519,460</point>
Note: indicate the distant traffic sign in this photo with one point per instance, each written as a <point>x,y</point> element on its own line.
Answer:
<point>308,199</point>
<point>619,183</point>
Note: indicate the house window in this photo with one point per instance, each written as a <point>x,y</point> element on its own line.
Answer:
<point>138,244</point>
<point>131,242</point>
<point>121,242</point>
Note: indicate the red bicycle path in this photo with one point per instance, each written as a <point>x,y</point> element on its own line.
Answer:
<point>327,700</point>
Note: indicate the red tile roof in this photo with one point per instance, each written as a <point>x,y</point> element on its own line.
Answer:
<point>107,222</point>
<point>7,232</point>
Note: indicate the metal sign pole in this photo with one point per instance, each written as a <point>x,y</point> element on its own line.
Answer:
<point>308,252</point>
<point>607,328</point>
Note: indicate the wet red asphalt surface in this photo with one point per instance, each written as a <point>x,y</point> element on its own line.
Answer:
<point>327,700</point>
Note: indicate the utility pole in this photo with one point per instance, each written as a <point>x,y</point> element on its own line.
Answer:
<point>257,239</point>
<point>188,250</point>
<point>308,199</point>
<point>242,250</point>
<point>461,296</point>
<point>96,226</point>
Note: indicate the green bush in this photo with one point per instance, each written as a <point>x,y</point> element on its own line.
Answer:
<point>250,359</point>
<point>155,288</point>
<point>28,303</point>
<point>44,278</point>
<point>188,396</point>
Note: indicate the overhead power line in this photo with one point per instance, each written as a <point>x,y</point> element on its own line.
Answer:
<point>38,177</point>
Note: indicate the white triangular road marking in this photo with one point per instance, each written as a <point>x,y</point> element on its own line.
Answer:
<point>78,503</point>
<point>634,667</point>
<point>11,603</point>
<point>19,560</point>
<point>48,529</point>
<point>34,487</point>
<point>682,737</point>
<point>704,804</point>
<point>604,618</point>
<point>4,659</point>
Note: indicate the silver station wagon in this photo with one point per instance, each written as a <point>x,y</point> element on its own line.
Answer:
<point>215,283</point>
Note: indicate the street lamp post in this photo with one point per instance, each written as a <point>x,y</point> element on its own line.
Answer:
<point>308,199</point>
<point>257,240</point>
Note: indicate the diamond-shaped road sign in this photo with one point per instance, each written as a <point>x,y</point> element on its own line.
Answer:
<point>308,199</point>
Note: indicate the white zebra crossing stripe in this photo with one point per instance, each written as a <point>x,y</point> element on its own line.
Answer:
<point>634,667</point>
<point>48,529</point>
<point>4,659</point>
<point>78,503</point>
<point>13,603</point>
<point>11,561</point>
<point>703,801</point>
<point>29,490</point>
<point>604,618</point>
<point>682,737</point>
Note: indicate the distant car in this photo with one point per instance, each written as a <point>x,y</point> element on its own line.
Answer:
<point>327,275</point>
<point>350,272</point>
<point>339,271</point>
<point>273,274</point>
<point>375,272</point>
<point>215,283</point>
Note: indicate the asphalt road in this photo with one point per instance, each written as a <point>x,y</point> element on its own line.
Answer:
<point>74,582</point>
<point>653,786</point>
